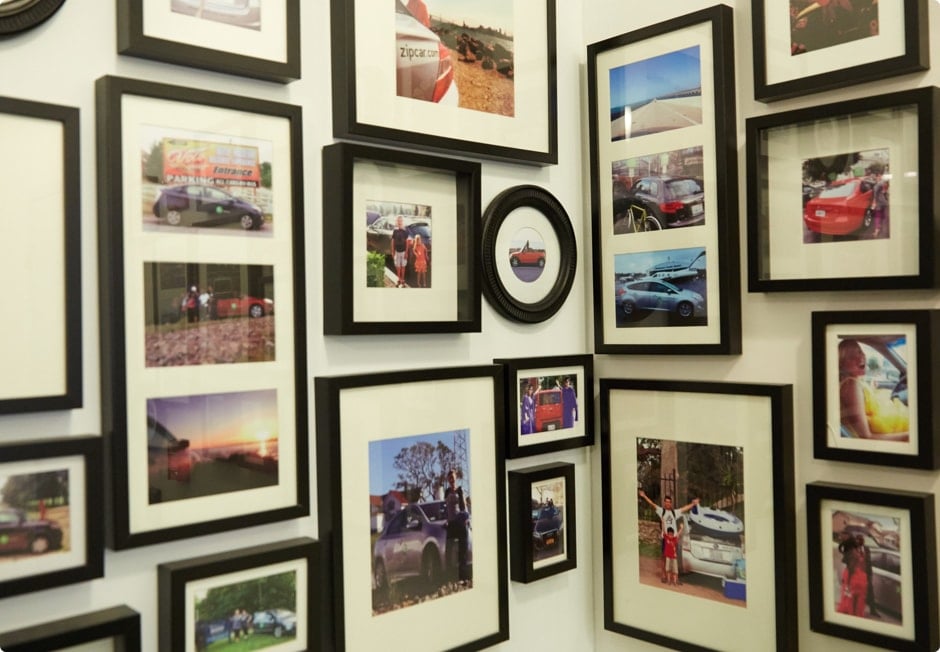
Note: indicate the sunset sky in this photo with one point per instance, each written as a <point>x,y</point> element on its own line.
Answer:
<point>214,420</point>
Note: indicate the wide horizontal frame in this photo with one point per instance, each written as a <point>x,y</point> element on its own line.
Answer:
<point>71,254</point>
<point>90,449</point>
<point>915,58</point>
<point>346,95</point>
<point>920,506</point>
<point>121,623</point>
<point>339,161</point>
<point>926,100</point>
<point>725,133</point>
<point>109,93</point>
<point>501,297</point>
<point>521,568</point>
<point>784,516</point>
<point>512,367</point>
<point>173,577</point>
<point>330,467</point>
<point>133,41</point>
<point>927,328</point>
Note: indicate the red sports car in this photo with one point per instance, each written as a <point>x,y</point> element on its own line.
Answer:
<point>840,209</point>
<point>243,306</point>
<point>527,256</point>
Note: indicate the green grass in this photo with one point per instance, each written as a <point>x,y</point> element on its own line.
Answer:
<point>650,550</point>
<point>253,642</point>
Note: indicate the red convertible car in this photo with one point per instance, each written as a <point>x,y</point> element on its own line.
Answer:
<point>841,208</point>
<point>527,256</point>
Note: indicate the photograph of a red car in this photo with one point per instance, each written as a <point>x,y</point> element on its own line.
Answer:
<point>845,197</point>
<point>419,515</point>
<point>661,288</point>
<point>456,53</point>
<point>819,24</point>
<point>659,191</point>
<point>211,444</point>
<point>34,514</point>
<point>691,518</point>
<point>873,387</point>
<point>199,182</point>
<point>196,313</point>
<point>398,245</point>
<point>250,615</point>
<point>866,565</point>
<point>548,403</point>
<point>656,94</point>
<point>527,254</point>
<point>241,13</point>
<point>548,522</point>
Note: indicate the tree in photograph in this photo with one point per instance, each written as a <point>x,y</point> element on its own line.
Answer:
<point>422,469</point>
<point>273,592</point>
<point>25,491</point>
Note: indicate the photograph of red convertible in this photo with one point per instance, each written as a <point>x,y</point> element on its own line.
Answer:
<point>527,254</point>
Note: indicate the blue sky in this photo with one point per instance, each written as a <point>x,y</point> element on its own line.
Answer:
<point>641,262</point>
<point>644,80</point>
<point>382,472</point>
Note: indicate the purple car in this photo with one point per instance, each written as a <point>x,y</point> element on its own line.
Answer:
<point>19,534</point>
<point>198,205</point>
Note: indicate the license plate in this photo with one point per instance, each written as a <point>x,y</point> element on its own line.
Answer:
<point>549,541</point>
<point>697,209</point>
<point>820,213</point>
<point>550,426</point>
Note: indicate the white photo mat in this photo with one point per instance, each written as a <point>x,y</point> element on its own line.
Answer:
<point>576,371</point>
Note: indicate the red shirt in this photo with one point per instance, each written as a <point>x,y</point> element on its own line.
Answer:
<point>670,549</point>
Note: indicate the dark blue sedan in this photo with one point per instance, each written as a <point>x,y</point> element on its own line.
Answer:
<point>198,205</point>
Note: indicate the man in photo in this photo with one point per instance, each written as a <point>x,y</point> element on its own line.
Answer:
<point>569,404</point>
<point>399,251</point>
<point>457,523</point>
<point>669,519</point>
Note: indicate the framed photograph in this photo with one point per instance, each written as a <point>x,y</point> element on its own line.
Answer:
<point>872,565</point>
<point>529,254</point>
<point>51,532</point>
<point>802,46</point>
<point>256,598</point>
<point>690,472</point>
<point>841,196</point>
<point>454,87</point>
<point>664,188</point>
<point>873,390</point>
<point>549,403</point>
<point>41,181</point>
<point>542,526</point>
<point>433,549</point>
<point>239,37</point>
<point>117,628</point>
<point>204,392</point>
<point>379,222</point>
<point>19,16</point>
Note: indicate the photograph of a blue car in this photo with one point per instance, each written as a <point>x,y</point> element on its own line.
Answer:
<point>658,295</point>
<point>199,205</point>
<point>661,288</point>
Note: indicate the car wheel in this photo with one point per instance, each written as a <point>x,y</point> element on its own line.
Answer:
<point>652,224</point>
<point>247,221</point>
<point>628,308</point>
<point>541,262</point>
<point>867,219</point>
<point>514,262</point>
<point>256,310</point>
<point>431,569</point>
<point>174,218</point>
<point>39,545</point>
<point>685,309</point>
<point>278,631</point>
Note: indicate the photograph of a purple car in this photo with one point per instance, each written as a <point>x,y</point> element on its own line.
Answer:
<point>34,514</point>
<point>199,182</point>
<point>548,522</point>
<point>420,519</point>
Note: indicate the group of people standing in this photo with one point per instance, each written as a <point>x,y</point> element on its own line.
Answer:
<point>401,246</point>
<point>671,525</point>
<point>196,306</point>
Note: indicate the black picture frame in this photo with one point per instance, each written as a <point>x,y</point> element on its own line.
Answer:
<point>634,414</point>
<point>82,558</point>
<point>385,179</point>
<point>913,55</point>
<point>504,290</point>
<point>170,45</point>
<point>553,436</point>
<point>303,553</point>
<point>537,528</point>
<point>121,624</point>
<point>829,134</point>
<point>529,136</point>
<point>882,331</point>
<point>917,560</point>
<point>66,391</point>
<point>246,278</point>
<point>632,239</point>
<point>354,461</point>
<point>21,16</point>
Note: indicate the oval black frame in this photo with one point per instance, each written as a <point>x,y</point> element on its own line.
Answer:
<point>493,218</point>
<point>27,17</point>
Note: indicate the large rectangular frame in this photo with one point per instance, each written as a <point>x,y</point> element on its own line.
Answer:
<point>916,382</point>
<point>366,105</point>
<point>919,562</point>
<point>350,306</point>
<point>82,458</point>
<point>126,109</point>
<point>47,141</point>
<point>683,330</point>
<point>346,429</point>
<point>844,128</point>
<point>120,624</point>
<point>904,35</point>
<point>761,420</point>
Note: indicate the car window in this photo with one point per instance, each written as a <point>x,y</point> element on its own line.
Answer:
<point>642,186</point>
<point>9,518</point>
<point>549,398</point>
<point>194,191</point>
<point>412,518</point>
<point>396,524</point>
<point>679,188</point>
<point>886,561</point>
<point>217,195</point>
<point>654,188</point>
<point>639,287</point>
<point>842,190</point>
<point>658,287</point>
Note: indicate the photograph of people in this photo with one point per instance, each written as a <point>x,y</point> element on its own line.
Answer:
<point>872,390</point>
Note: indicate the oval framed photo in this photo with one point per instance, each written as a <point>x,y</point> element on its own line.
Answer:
<point>20,15</point>
<point>529,254</point>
